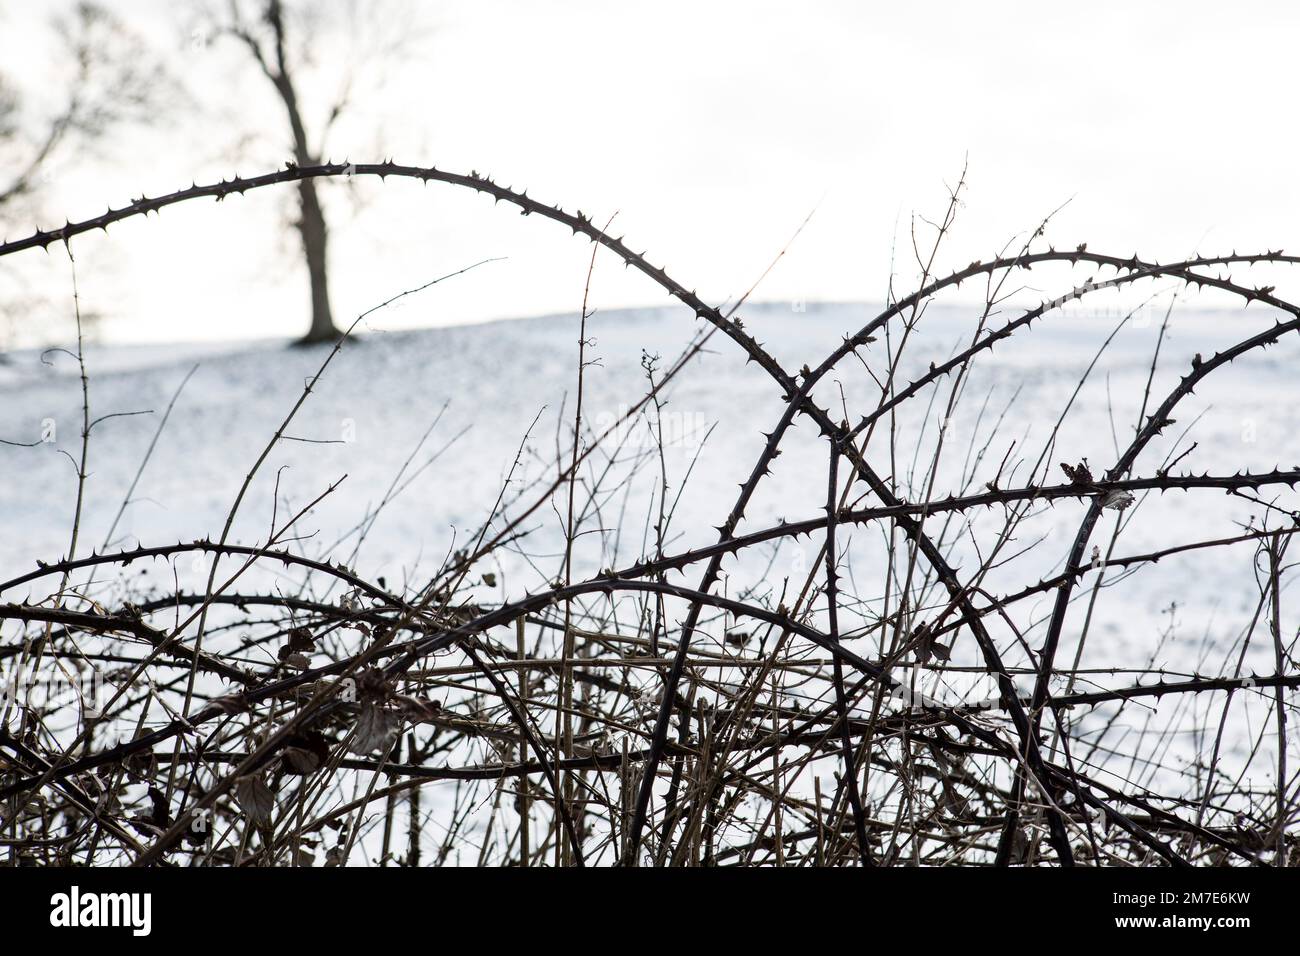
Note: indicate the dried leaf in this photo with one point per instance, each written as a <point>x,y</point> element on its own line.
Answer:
<point>418,708</point>
<point>737,638</point>
<point>255,798</point>
<point>924,643</point>
<point>1019,846</point>
<point>304,752</point>
<point>375,728</point>
<point>300,639</point>
<point>1117,500</point>
<point>299,760</point>
<point>161,815</point>
<point>371,685</point>
<point>1080,474</point>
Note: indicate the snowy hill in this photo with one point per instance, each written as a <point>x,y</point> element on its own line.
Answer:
<point>490,382</point>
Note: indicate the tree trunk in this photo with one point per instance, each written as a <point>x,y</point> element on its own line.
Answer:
<point>311,218</point>
<point>311,226</point>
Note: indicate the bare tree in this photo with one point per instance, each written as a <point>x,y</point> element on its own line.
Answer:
<point>115,81</point>
<point>279,39</point>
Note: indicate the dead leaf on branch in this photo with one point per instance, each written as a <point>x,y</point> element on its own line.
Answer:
<point>255,798</point>
<point>375,729</point>
<point>300,641</point>
<point>1117,500</point>
<point>927,647</point>
<point>1080,474</point>
<point>304,753</point>
<point>300,761</point>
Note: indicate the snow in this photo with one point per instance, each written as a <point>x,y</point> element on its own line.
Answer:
<point>497,381</point>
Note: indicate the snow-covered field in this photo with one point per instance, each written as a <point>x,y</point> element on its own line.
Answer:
<point>501,384</point>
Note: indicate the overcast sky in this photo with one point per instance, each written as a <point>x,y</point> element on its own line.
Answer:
<point>712,129</point>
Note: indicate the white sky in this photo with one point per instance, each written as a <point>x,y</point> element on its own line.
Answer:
<point>712,129</point>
